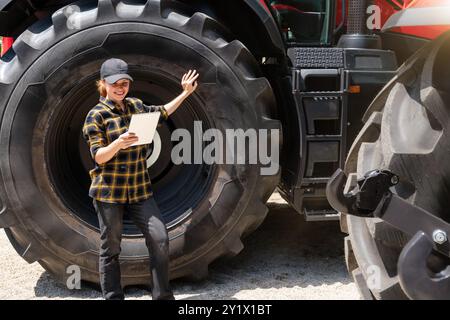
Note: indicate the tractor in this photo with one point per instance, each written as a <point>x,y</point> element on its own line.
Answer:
<point>326,75</point>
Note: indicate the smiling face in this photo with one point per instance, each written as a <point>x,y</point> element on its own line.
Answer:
<point>118,90</point>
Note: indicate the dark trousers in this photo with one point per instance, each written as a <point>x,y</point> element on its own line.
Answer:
<point>147,217</point>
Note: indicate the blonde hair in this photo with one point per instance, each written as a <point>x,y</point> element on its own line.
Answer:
<point>101,87</point>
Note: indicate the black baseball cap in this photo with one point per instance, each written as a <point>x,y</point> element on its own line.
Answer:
<point>113,70</point>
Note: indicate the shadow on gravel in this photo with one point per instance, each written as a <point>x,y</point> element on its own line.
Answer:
<point>285,252</point>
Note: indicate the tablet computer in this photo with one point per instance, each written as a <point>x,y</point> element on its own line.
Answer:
<point>144,126</point>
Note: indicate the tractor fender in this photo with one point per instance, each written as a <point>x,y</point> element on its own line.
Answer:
<point>260,8</point>
<point>414,17</point>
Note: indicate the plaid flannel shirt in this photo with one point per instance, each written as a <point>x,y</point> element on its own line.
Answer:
<point>124,178</point>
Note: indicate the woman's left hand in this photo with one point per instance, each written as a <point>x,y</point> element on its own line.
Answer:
<point>188,81</point>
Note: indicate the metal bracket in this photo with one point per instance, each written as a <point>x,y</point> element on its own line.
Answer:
<point>364,198</point>
<point>416,279</point>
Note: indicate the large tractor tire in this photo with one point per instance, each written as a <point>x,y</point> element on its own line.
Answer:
<point>407,131</point>
<point>47,86</point>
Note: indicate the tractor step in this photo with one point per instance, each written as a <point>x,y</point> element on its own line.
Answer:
<point>320,215</point>
<point>331,89</point>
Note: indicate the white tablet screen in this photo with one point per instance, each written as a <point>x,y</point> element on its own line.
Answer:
<point>144,126</point>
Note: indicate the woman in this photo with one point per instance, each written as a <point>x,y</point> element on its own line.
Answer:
<point>120,180</point>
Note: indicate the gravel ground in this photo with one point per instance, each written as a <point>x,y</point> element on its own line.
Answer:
<point>286,258</point>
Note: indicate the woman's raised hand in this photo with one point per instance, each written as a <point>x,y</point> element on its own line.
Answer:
<point>188,81</point>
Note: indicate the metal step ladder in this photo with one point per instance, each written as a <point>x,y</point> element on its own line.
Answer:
<point>319,92</point>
